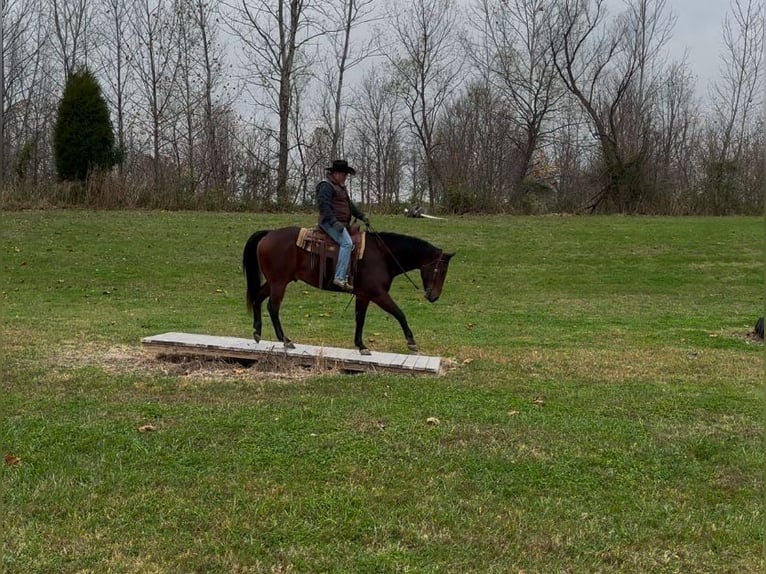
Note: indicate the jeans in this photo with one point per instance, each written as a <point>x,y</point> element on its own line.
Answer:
<point>345,246</point>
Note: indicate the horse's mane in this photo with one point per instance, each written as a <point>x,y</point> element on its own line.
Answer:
<point>406,241</point>
<point>408,249</point>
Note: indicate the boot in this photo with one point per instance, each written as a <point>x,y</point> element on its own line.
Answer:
<point>343,285</point>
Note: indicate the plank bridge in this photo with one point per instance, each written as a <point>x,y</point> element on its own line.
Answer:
<point>305,355</point>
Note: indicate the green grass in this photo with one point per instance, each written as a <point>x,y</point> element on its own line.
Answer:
<point>602,411</point>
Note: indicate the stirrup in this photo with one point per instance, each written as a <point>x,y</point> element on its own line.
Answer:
<point>342,284</point>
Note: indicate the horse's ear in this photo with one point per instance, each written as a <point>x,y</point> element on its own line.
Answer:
<point>449,255</point>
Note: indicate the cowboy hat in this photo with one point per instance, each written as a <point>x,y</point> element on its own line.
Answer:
<point>342,166</point>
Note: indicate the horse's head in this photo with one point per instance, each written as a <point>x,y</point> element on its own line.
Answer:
<point>433,275</point>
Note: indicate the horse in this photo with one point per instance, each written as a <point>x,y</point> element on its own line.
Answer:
<point>274,256</point>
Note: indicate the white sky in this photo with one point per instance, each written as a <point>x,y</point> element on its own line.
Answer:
<point>698,30</point>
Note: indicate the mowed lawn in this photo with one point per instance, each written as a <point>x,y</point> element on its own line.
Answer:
<point>601,409</point>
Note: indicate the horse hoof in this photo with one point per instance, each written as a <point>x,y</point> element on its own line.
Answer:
<point>257,337</point>
<point>365,351</point>
<point>413,349</point>
<point>289,345</point>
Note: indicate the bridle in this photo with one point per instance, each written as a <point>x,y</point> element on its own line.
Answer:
<point>439,259</point>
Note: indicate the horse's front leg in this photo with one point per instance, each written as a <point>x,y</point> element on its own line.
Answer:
<point>361,314</point>
<point>275,300</point>
<point>387,304</point>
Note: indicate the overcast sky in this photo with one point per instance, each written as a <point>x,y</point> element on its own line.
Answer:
<point>698,30</point>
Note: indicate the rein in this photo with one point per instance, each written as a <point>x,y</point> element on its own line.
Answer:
<point>426,291</point>
<point>401,268</point>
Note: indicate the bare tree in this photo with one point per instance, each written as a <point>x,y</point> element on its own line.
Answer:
<point>345,55</point>
<point>274,33</point>
<point>428,65</point>
<point>377,134</point>
<point>251,170</point>
<point>572,151</point>
<point>28,92</point>
<point>509,45</point>
<point>3,19</point>
<point>71,20</point>
<point>15,55</point>
<point>479,155</point>
<point>736,98</point>
<point>317,151</point>
<point>155,63</point>
<point>608,67</point>
<point>113,34</point>
<point>676,130</point>
<point>187,102</point>
<point>474,155</point>
<point>205,16</point>
<point>306,162</point>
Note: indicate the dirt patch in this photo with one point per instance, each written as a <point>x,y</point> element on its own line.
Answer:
<point>126,359</point>
<point>752,337</point>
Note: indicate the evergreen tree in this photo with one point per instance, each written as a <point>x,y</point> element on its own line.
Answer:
<point>83,136</point>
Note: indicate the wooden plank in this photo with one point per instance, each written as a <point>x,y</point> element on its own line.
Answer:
<point>433,364</point>
<point>422,362</point>
<point>398,360</point>
<point>411,362</point>
<point>233,347</point>
<point>344,354</point>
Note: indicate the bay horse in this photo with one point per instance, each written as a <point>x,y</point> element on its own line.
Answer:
<point>274,255</point>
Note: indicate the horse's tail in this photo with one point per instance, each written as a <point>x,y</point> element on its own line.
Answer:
<point>250,267</point>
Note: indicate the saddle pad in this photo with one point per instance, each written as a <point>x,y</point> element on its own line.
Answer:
<point>313,235</point>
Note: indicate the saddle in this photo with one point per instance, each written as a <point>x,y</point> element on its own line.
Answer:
<point>322,248</point>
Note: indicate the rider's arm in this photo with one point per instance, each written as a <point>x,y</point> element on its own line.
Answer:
<point>356,212</point>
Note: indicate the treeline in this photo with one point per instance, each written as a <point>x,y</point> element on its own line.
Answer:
<point>516,106</point>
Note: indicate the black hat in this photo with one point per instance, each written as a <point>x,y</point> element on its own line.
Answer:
<point>342,166</point>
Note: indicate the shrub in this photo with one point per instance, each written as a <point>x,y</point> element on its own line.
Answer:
<point>83,135</point>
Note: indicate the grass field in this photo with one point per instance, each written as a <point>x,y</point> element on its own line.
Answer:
<point>602,409</point>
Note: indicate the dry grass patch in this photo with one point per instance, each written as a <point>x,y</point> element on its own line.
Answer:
<point>661,365</point>
<point>133,360</point>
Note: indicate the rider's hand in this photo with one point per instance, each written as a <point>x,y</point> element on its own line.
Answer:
<point>338,226</point>
<point>365,220</point>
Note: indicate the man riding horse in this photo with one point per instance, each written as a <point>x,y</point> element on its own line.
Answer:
<point>335,212</point>
<point>272,259</point>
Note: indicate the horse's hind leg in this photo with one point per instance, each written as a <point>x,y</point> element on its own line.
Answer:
<point>361,313</point>
<point>275,300</point>
<point>257,319</point>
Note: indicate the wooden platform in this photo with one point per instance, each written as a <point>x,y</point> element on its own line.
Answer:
<point>308,355</point>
